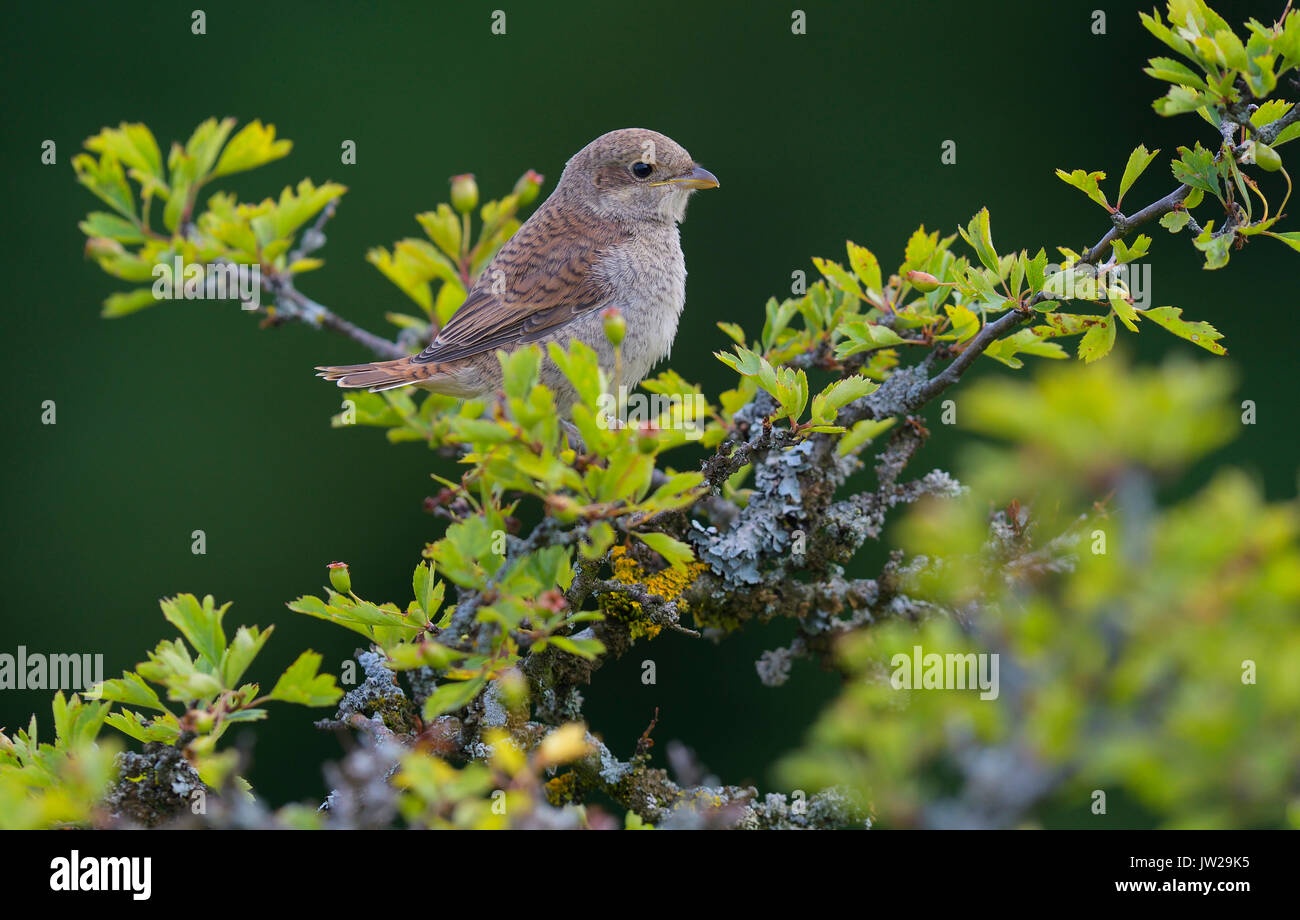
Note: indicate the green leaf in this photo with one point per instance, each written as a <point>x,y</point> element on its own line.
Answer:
<point>675,552</point>
<point>429,590</point>
<point>132,144</point>
<point>254,145</point>
<point>920,246</point>
<point>1202,334</point>
<point>979,237</point>
<point>1231,51</point>
<point>450,696</point>
<point>1269,112</point>
<point>1126,312</point>
<point>199,624</point>
<point>734,332</point>
<point>206,142</point>
<point>1138,161</point>
<point>243,649</point>
<point>1056,325</point>
<point>839,394</point>
<point>861,433</point>
<point>1196,168</point>
<point>865,336</point>
<point>1175,220</point>
<point>1025,341</point>
<point>964,322</point>
<point>1086,182</point>
<point>1180,99</point>
<point>581,366</point>
<point>1172,71</point>
<point>294,208</point>
<point>131,690</point>
<point>590,649</point>
<point>791,392</point>
<point>778,318</point>
<point>407,656</point>
<point>1291,238</point>
<point>301,684</point>
<point>132,724</point>
<point>443,226</point>
<point>170,664</point>
<point>1035,270</point>
<point>519,370</point>
<point>126,302</point>
<point>836,274</point>
<point>1098,340</point>
<point>866,266</point>
<point>110,226</point>
<point>627,476</point>
<point>1126,253</point>
<point>106,179</point>
<point>1216,248</point>
<point>679,491</point>
<point>599,539</point>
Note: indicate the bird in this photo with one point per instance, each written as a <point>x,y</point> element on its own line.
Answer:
<point>606,237</point>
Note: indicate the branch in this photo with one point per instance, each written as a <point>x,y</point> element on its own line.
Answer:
<point>991,332</point>
<point>1269,133</point>
<point>291,305</point>
<point>1123,225</point>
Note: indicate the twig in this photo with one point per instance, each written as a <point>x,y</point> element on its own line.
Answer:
<point>294,306</point>
<point>314,237</point>
<point>1123,226</point>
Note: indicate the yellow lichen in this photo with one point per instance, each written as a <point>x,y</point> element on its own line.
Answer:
<point>668,583</point>
<point>559,791</point>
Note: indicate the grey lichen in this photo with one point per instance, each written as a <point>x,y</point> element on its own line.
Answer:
<point>153,787</point>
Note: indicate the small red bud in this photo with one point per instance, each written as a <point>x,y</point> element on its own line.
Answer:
<point>464,193</point>
<point>340,578</point>
<point>615,325</point>
<point>529,184</point>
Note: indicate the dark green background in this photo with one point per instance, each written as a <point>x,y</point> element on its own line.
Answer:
<point>187,416</point>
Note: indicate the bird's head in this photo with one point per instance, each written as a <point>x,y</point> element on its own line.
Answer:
<point>634,175</point>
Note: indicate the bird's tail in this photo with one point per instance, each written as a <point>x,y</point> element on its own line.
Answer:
<point>381,375</point>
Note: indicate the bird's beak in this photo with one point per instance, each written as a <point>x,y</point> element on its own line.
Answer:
<point>698,177</point>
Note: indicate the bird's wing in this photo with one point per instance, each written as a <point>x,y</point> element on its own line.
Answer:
<point>542,277</point>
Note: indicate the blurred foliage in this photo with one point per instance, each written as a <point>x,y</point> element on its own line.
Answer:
<point>502,792</point>
<point>60,784</point>
<point>1150,653</point>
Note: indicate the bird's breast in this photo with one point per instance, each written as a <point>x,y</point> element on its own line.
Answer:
<point>648,276</point>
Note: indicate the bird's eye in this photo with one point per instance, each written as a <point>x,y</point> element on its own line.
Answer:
<point>642,170</point>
